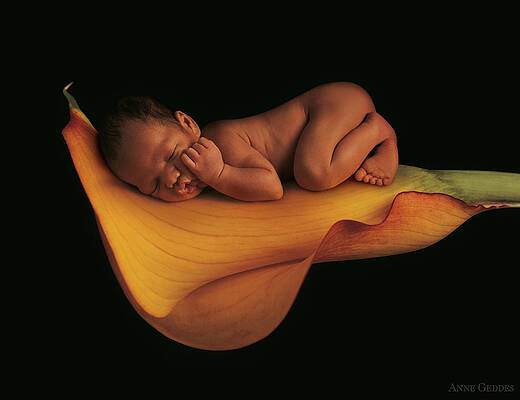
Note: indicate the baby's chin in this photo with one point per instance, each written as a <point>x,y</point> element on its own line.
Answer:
<point>183,193</point>
<point>187,190</point>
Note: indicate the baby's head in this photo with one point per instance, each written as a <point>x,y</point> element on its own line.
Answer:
<point>142,142</point>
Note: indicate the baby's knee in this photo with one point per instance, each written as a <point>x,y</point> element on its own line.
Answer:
<point>310,178</point>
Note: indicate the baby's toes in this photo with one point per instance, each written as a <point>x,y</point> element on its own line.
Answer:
<point>379,182</point>
<point>373,180</point>
<point>387,181</point>
<point>366,178</point>
<point>360,174</point>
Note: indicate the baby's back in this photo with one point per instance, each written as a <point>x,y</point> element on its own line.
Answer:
<point>275,133</point>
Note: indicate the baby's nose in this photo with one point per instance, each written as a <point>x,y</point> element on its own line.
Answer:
<point>171,177</point>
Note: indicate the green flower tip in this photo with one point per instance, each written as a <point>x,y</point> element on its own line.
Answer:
<point>73,104</point>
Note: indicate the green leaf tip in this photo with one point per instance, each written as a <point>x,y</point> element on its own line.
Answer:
<point>73,104</point>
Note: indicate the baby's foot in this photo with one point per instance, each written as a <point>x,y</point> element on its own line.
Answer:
<point>379,169</point>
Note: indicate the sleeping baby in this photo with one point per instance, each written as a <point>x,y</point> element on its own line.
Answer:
<point>320,138</point>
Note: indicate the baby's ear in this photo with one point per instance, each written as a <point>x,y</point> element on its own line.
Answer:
<point>187,122</point>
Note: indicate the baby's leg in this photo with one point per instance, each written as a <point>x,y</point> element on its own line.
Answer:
<point>349,156</point>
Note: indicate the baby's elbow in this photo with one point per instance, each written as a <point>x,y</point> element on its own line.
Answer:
<point>278,195</point>
<point>271,187</point>
<point>276,192</point>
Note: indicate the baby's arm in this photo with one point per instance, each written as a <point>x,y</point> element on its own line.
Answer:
<point>251,177</point>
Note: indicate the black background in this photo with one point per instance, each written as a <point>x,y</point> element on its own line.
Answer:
<point>413,322</point>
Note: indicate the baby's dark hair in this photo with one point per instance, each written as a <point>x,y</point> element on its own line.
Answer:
<point>140,108</point>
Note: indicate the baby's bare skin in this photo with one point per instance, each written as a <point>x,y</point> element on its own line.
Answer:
<point>320,139</point>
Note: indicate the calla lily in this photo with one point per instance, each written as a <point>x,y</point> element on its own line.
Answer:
<point>217,273</point>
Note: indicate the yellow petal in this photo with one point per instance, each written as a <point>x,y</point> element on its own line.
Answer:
<point>219,273</point>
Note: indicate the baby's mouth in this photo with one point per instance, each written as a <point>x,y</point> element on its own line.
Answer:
<point>186,187</point>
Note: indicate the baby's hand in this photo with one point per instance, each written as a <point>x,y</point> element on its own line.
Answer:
<point>204,160</point>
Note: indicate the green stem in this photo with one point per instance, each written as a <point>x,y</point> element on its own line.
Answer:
<point>474,187</point>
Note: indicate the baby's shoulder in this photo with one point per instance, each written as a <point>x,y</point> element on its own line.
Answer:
<point>223,130</point>
<point>228,135</point>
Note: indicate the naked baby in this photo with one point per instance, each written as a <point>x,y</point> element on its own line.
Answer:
<point>319,138</point>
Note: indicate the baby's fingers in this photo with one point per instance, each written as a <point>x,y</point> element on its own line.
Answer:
<point>187,161</point>
<point>193,154</point>
<point>199,147</point>
<point>206,142</point>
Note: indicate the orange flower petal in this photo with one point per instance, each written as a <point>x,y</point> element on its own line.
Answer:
<point>240,309</point>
